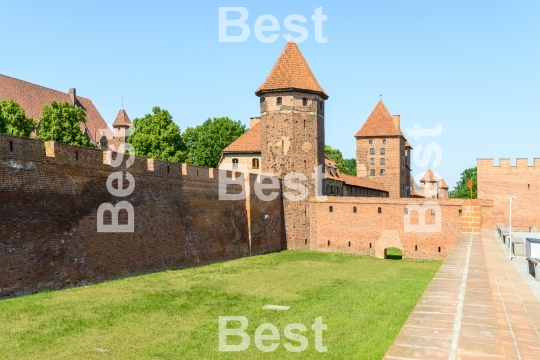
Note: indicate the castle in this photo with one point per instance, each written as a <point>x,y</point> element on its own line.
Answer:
<point>50,193</point>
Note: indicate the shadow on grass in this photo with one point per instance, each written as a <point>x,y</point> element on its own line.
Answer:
<point>393,254</point>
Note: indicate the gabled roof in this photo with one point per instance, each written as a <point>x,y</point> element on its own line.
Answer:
<point>443,184</point>
<point>122,119</point>
<point>249,142</point>
<point>379,123</point>
<point>362,182</point>
<point>33,97</point>
<point>429,176</point>
<point>330,164</point>
<point>291,72</point>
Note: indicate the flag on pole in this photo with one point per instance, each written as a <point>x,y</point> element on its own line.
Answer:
<point>469,185</point>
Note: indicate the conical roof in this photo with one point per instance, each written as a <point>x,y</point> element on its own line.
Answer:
<point>122,119</point>
<point>429,176</point>
<point>291,72</point>
<point>379,123</point>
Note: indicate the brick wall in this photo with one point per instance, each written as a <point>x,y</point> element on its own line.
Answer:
<point>500,182</point>
<point>368,231</point>
<point>49,196</point>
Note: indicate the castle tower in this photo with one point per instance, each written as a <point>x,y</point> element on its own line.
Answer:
<point>383,153</point>
<point>120,128</point>
<point>292,134</point>
<point>430,185</point>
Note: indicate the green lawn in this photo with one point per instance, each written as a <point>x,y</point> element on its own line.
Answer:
<point>174,314</point>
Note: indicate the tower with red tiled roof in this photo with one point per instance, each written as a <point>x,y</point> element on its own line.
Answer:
<point>292,133</point>
<point>383,152</point>
<point>120,128</point>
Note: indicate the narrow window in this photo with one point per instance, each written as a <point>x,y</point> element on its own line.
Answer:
<point>331,209</point>
<point>282,144</point>
<point>384,141</point>
<point>76,155</point>
<point>349,244</point>
<point>379,210</point>
<point>370,245</point>
<point>383,172</point>
<point>304,124</point>
<point>305,242</point>
<point>304,102</point>
<point>528,185</point>
<point>415,247</point>
<point>11,146</point>
<point>305,164</point>
<point>383,161</point>
<point>439,249</point>
<point>370,142</point>
<point>255,163</point>
<point>383,151</point>
<point>279,101</point>
<point>321,105</point>
<point>372,151</point>
<point>235,163</point>
<point>354,209</point>
<point>328,242</point>
<point>168,169</point>
<point>197,172</point>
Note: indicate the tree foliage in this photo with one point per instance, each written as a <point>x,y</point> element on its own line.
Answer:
<point>346,166</point>
<point>61,122</point>
<point>156,136</point>
<point>13,120</point>
<point>205,142</point>
<point>461,191</point>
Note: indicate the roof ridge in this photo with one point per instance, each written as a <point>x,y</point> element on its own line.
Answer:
<point>41,86</point>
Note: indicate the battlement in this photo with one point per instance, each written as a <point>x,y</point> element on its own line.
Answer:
<point>506,163</point>
<point>31,150</point>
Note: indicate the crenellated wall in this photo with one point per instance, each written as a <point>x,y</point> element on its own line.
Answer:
<point>50,194</point>
<point>500,182</point>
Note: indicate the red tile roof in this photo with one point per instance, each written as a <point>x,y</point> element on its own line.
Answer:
<point>33,97</point>
<point>429,176</point>
<point>443,184</point>
<point>362,182</point>
<point>122,119</point>
<point>379,123</point>
<point>291,72</point>
<point>250,141</point>
<point>332,165</point>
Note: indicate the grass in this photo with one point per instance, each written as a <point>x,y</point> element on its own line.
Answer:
<point>174,314</point>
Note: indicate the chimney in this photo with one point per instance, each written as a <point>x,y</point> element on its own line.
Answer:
<point>72,95</point>
<point>254,121</point>
<point>395,118</point>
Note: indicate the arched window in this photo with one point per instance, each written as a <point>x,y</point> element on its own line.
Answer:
<point>255,163</point>
<point>383,172</point>
<point>279,101</point>
<point>372,151</point>
<point>372,172</point>
<point>383,151</point>
<point>304,102</point>
<point>384,141</point>
<point>383,161</point>
<point>370,142</point>
<point>235,163</point>
<point>372,161</point>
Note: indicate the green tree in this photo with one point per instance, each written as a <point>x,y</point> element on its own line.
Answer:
<point>13,120</point>
<point>206,141</point>
<point>156,136</point>
<point>461,191</point>
<point>61,122</point>
<point>346,166</point>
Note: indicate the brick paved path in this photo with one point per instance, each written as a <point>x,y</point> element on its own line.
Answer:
<point>476,307</point>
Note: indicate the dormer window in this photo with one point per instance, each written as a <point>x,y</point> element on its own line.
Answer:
<point>304,102</point>
<point>279,101</point>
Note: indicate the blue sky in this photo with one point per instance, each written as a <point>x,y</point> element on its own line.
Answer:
<point>472,67</point>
